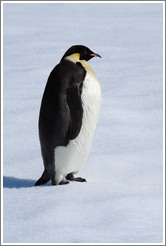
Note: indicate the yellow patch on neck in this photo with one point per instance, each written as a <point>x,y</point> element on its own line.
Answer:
<point>74,57</point>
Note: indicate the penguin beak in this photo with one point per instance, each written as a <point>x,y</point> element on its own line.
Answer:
<point>94,54</point>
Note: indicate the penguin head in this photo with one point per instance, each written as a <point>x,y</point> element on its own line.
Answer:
<point>83,52</point>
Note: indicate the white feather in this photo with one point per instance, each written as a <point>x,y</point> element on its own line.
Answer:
<point>71,158</point>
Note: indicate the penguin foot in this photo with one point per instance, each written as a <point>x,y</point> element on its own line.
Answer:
<point>79,179</point>
<point>64,182</point>
<point>70,177</point>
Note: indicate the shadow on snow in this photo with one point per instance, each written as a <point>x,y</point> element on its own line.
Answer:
<point>11,182</point>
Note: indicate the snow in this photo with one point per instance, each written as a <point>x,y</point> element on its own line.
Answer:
<point>122,200</point>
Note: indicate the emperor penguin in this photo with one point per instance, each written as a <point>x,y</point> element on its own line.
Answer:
<point>68,116</point>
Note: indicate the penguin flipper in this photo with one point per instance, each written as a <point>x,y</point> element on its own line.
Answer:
<point>76,110</point>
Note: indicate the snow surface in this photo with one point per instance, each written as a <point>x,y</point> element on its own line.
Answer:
<point>122,200</point>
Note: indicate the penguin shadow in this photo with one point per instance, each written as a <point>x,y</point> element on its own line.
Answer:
<point>11,182</point>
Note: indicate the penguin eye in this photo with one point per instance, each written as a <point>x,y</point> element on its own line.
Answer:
<point>84,55</point>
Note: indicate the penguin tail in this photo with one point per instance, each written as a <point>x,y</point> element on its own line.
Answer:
<point>41,181</point>
<point>44,178</point>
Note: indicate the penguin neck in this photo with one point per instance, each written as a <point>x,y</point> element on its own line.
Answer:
<point>73,58</point>
<point>76,58</point>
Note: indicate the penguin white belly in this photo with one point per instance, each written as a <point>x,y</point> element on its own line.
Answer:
<point>71,158</point>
